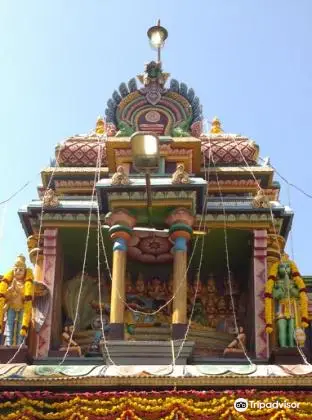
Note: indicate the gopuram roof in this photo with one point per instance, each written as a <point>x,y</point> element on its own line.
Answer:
<point>155,294</point>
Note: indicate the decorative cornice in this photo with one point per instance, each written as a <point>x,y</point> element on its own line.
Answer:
<point>228,381</point>
<point>70,172</point>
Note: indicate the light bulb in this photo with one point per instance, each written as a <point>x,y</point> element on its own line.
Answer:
<point>150,145</point>
<point>157,39</point>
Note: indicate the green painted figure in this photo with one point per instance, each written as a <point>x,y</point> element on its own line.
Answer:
<point>285,294</point>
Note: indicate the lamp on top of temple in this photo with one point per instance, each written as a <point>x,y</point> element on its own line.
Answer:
<point>157,36</point>
<point>145,156</point>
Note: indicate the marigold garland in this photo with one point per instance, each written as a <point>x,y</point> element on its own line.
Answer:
<point>162,405</point>
<point>28,297</point>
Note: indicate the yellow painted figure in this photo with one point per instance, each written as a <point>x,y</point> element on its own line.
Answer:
<point>16,296</point>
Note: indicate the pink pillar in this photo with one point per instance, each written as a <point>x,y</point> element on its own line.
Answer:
<point>260,277</point>
<point>49,270</point>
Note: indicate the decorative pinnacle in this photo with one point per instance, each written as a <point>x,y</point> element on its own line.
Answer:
<point>216,126</point>
<point>100,125</point>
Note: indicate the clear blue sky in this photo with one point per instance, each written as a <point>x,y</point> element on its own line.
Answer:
<point>249,61</point>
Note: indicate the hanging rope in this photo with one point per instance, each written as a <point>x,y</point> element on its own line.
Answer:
<point>98,163</point>
<point>229,282</point>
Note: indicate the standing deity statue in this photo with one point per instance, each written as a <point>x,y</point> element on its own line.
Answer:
<point>286,301</point>
<point>16,299</point>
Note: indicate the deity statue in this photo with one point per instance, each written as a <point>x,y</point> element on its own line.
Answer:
<point>128,284</point>
<point>211,313</point>
<point>287,290</point>
<point>224,315</point>
<point>216,126</point>
<point>16,299</point>
<point>212,292</point>
<point>140,288</point>
<point>199,315</point>
<point>156,288</point>
<point>200,288</point>
<point>153,73</point>
<point>100,126</point>
<point>67,342</point>
<point>50,198</point>
<point>237,346</point>
<point>120,177</point>
<point>154,80</point>
<point>261,200</point>
<point>180,176</point>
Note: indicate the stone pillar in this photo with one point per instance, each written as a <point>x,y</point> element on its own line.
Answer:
<point>260,278</point>
<point>121,223</point>
<point>180,222</point>
<point>49,270</point>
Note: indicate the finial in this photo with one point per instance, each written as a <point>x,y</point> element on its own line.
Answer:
<point>100,125</point>
<point>20,261</point>
<point>216,126</point>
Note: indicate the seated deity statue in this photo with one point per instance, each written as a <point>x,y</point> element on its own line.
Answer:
<point>180,176</point>
<point>199,289</point>
<point>140,288</point>
<point>190,293</point>
<point>199,316</point>
<point>238,345</point>
<point>212,292</point>
<point>67,341</point>
<point>156,288</point>
<point>128,284</point>
<point>120,177</point>
<point>211,313</point>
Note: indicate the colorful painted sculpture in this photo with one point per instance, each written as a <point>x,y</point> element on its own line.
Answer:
<point>124,130</point>
<point>16,299</point>
<point>237,346</point>
<point>287,290</point>
<point>216,126</point>
<point>120,177</point>
<point>182,130</point>
<point>180,176</point>
<point>67,341</point>
<point>100,126</point>
<point>50,199</point>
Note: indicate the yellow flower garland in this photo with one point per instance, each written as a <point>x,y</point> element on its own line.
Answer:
<point>28,297</point>
<point>303,295</point>
<point>4,284</point>
<point>165,408</point>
